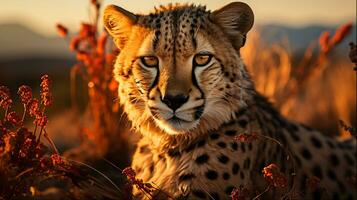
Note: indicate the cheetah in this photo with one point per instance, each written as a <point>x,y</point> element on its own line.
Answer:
<point>185,89</point>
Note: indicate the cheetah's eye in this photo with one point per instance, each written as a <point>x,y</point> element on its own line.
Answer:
<point>150,61</point>
<point>202,59</point>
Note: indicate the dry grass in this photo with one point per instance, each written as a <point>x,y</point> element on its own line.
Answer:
<point>319,85</point>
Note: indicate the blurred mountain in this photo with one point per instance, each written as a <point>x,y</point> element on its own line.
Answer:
<point>17,40</point>
<point>300,38</point>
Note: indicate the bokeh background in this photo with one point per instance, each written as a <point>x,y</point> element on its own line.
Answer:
<point>297,54</point>
<point>284,34</point>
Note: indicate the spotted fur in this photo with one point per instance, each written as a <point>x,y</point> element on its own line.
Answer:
<point>188,115</point>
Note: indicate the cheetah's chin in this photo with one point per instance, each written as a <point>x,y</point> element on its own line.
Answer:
<point>176,126</point>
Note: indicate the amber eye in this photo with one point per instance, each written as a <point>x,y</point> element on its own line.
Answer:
<point>150,61</point>
<point>202,59</point>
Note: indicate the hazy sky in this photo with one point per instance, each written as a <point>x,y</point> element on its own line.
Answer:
<point>41,15</point>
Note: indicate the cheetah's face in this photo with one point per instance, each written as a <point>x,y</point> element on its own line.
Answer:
<point>171,65</point>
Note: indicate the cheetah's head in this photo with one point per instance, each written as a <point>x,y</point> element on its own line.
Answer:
<point>179,69</point>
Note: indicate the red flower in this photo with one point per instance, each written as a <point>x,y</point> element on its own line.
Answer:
<point>130,173</point>
<point>86,30</point>
<point>33,107</point>
<point>41,120</point>
<point>245,137</point>
<point>61,30</point>
<point>341,33</point>
<point>324,41</point>
<point>273,175</point>
<point>5,98</point>
<point>84,57</point>
<point>56,159</point>
<point>240,193</point>
<point>14,119</point>
<point>46,96</point>
<point>74,45</point>
<point>101,43</point>
<point>25,93</point>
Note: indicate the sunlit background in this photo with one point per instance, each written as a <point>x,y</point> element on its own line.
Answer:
<point>40,15</point>
<point>30,46</point>
<point>297,55</point>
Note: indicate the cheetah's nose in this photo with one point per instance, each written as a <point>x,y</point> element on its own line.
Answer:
<point>174,102</point>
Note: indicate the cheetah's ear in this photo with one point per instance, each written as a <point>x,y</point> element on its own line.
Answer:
<point>118,23</point>
<point>236,19</point>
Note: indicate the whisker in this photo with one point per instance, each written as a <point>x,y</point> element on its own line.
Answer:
<point>94,169</point>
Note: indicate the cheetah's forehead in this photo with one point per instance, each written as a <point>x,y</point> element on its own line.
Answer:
<point>175,27</point>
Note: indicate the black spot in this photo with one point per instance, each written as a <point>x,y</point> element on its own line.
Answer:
<point>334,160</point>
<point>317,194</point>
<point>151,168</point>
<point>293,128</point>
<point>294,136</point>
<point>223,159</point>
<point>235,168</point>
<point>348,173</point>
<point>225,176</point>
<point>241,175</point>
<point>303,182</point>
<point>316,142</point>
<point>230,123</point>
<point>186,177</point>
<point>212,175</point>
<point>202,159</point>
<point>201,143</point>
<point>229,189</point>
<point>250,146</point>
<point>341,186</point>
<point>199,194</point>
<point>144,149</point>
<point>242,147</point>
<point>191,147</point>
<point>348,159</point>
<point>173,152</point>
<point>246,163</point>
<point>222,144</point>
<point>330,144</point>
<point>282,137</point>
<point>199,112</point>
<point>331,174</point>
<point>307,127</point>
<point>230,132</point>
<point>297,160</point>
<point>157,33</point>
<point>214,136</point>
<point>336,196</point>
<point>306,154</point>
<point>214,195</point>
<point>138,169</point>
<point>161,157</point>
<point>240,112</point>
<point>243,123</point>
<point>234,146</point>
<point>316,171</point>
<point>350,197</point>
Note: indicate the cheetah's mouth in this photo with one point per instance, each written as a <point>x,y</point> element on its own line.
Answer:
<point>178,122</point>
